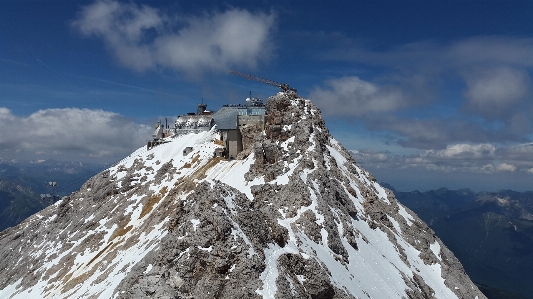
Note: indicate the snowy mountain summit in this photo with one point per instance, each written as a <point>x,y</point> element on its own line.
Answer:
<point>293,216</point>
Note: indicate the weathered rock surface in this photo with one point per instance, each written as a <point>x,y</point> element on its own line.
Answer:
<point>295,218</point>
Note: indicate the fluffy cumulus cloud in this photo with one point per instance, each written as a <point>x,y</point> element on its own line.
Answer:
<point>494,69</point>
<point>506,167</point>
<point>143,38</point>
<point>432,95</point>
<point>69,134</point>
<point>494,91</point>
<point>463,152</point>
<point>477,158</point>
<point>351,96</point>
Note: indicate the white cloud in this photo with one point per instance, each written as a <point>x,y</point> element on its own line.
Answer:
<point>487,168</point>
<point>463,151</point>
<point>5,114</point>
<point>474,158</point>
<point>491,49</point>
<point>518,152</point>
<point>144,38</point>
<point>351,96</point>
<point>494,68</point>
<point>506,167</point>
<point>472,51</point>
<point>372,155</point>
<point>69,134</point>
<point>530,170</point>
<point>493,91</point>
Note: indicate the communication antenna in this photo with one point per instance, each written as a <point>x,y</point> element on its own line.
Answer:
<point>284,87</point>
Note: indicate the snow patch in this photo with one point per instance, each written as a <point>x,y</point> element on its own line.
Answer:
<point>208,249</point>
<point>195,223</point>
<point>403,212</point>
<point>148,269</point>
<point>270,274</point>
<point>435,247</point>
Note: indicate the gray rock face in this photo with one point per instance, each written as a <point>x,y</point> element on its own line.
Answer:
<point>296,217</point>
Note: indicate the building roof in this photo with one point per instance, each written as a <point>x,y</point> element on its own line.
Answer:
<point>226,118</point>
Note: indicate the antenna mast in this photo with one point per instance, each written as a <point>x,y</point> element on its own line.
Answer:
<point>284,87</point>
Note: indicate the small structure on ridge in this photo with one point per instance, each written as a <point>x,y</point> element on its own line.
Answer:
<point>194,123</point>
<point>232,119</point>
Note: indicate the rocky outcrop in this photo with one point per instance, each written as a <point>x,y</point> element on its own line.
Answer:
<point>296,217</point>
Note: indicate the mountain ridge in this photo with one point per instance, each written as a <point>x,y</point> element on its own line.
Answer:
<point>293,217</point>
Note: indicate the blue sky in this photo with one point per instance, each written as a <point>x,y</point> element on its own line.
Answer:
<point>425,94</point>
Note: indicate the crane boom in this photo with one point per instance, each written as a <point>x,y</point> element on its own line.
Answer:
<point>284,87</point>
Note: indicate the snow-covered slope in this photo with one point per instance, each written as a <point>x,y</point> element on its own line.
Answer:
<point>295,217</point>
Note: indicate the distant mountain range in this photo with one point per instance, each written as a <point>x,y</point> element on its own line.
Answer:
<point>22,183</point>
<point>490,232</point>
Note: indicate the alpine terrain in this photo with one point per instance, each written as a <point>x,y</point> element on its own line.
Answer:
<point>292,216</point>
<point>495,245</point>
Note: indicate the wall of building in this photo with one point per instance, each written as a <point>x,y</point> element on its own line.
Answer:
<point>186,124</point>
<point>231,119</point>
<point>252,120</point>
<point>233,143</point>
